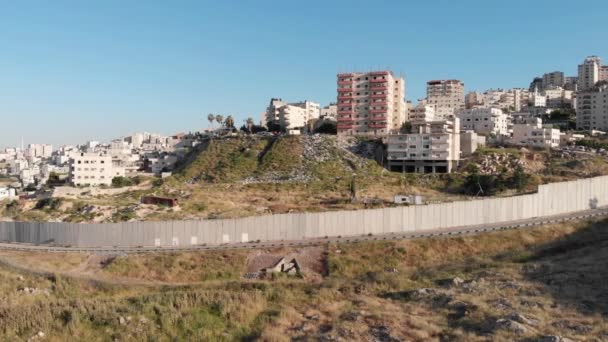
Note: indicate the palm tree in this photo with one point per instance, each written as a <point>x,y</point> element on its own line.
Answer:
<point>211,118</point>
<point>229,121</point>
<point>219,118</point>
<point>249,123</point>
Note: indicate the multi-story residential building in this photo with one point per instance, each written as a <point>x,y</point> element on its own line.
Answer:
<point>553,79</point>
<point>592,109</point>
<point>557,97</point>
<point>432,147</point>
<point>93,169</point>
<point>571,83</point>
<point>291,116</point>
<point>447,96</point>
<point>484,121</point>
<point>39,151</point>
<point>589,73</point>
<point>537,83</point>
<point>370,103</point>
<point>330,111</point>
<point>532,133</point>
<point>421,113</point>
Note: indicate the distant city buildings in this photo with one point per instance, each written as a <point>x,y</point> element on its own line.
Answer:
<point>291,116</point>
<point>590,72</point>
<point>446,96</point>
<point>370,103</point>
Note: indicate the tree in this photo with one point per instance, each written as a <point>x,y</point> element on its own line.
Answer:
<point>219,118</point>
<point>520,179</point>
<point>229,121</point>
<point>327,127</point>
<point>406,127</point>
<point>211,118</point>
<point>249,124</point>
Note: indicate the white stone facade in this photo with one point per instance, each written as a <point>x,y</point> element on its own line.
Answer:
<point>92,169</point>
<point>484,121</point>
<point>446,96</point>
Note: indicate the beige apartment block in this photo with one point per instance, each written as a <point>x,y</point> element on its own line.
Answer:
<point>447,96</point>
<point>370,103</point>
<point>93,169</point>
<point>589,73</point>
<point>432,147</point>
<point>291,116</point>
<point>592,109</point>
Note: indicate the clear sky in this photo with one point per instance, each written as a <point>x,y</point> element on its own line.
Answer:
<point>72,71</point>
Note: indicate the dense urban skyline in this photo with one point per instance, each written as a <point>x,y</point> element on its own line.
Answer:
<point>74,71</point>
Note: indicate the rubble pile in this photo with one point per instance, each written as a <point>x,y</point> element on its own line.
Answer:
<point>494,163</point>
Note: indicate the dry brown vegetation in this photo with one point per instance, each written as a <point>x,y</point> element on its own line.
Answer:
<point>503,286</point>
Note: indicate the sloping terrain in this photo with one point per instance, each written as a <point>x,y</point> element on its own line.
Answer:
<point>539,284</point>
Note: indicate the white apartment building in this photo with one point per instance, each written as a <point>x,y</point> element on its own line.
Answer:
<point>432,147</point>
<point>291,116</point>
<point>422,113</point>
<point>370,103</point>
<point>447,96</point>
<point>329,111</point>
<point>93,169</point>
<point>556,97</point>
<point>484,121</point>
<point>39,151</point>
<point>553,79</point>
<point>589,73</point>
<point>592,109</point>
<point>532,133</point>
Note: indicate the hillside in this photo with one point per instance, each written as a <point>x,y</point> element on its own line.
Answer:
<point>538,284</point>
<point>252,175</point>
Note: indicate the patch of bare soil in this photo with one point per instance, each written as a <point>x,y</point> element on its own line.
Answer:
<point>312,260</point>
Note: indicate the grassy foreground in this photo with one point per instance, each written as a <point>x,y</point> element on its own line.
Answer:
<point>503,286</point>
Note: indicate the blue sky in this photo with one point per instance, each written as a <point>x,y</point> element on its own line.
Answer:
<point>71,71</point>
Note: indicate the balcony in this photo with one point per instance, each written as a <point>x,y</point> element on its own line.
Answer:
<point>378,96</point>
<point>378,80</point>
<point>378,111</point>
<point>346,97</point>
<point>345,90</point>
<point>345,126</point>
<point>349,112</point>
<point>380,103</point>
<point>379,118</point>
<point>345,82</point>
<point>345,119</point>
<point>347,74</point>
<point>378,87</point>
<point>378,73</point>
<point>377,125</point>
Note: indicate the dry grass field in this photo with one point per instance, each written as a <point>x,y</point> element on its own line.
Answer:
<point>502,286</point>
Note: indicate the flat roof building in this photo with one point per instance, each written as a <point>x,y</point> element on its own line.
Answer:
<point>370,103</point>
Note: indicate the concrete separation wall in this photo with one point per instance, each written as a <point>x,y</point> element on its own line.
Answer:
<point>551,199</point>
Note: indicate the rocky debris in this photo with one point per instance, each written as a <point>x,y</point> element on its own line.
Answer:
<point>382,334</point>
<point>511,325</point>
<point>517,317</point>
<point>494,162</point>
<point>422,293</point>
<point>37,337</point>
<point>501,304</point>
<point>20,278</point>
<point>554,338</point>
<point>577,328</point>
<point>33,291</point>
<point>460,309</point>
<point>451,282</point>
<point>124,320</point>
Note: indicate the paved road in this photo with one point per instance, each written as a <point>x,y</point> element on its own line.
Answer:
<point>580,215</point>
